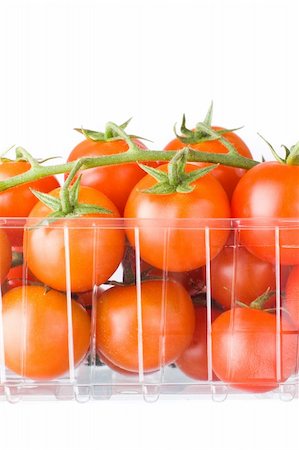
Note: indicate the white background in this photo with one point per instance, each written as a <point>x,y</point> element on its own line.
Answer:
<point>71,63</point>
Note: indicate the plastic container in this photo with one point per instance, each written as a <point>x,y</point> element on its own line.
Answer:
<point>93,379</point>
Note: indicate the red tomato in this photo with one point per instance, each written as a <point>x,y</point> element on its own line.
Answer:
<point>245,351</point>
<point>267,193</point>
<point>17,276</point>
<point>36,332</point>
<point>113,366</point>
<point>95,252</point>
<point>226,175</point>
<point>5,255</point>
<point>291,300</point>
<point>114,181</point>
<point>18,201</point>
<point>237,275</point>
<point>167,324</point>
<point>194,361</point>
<point>183,248</point>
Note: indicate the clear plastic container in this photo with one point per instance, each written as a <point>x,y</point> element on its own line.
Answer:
<point>92,378</point>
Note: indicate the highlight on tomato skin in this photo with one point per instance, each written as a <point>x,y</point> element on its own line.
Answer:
<point>245,353</point>
<point>168,323</point>
<point>35,327</point>
<point>291,300</point>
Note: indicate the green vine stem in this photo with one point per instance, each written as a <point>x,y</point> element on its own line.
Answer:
<point>133,154</point>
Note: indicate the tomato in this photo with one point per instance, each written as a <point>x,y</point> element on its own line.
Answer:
<point>194,360</point>
<point>237,275</point>
<point>5,255</point>
<point>192,281</point>
<point>184,249</point>
<point>226,175</point>
<point>167,324</point>
<point>113,366</point>
<point>18,201</point>
<point>269,192</point>
<point>245,351</point>
<point>17,276</point>
<point>94,252</point>
<point>35,330</point>
<point>115,181</point>
<point>291,300</point>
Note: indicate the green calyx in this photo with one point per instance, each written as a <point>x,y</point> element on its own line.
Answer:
<point>68,205</point>
<point>202,132</point>
<point>175,179</point>
<point>291,154</point>
<point>110,134</point>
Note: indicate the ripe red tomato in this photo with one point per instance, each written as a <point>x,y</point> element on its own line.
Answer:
<point>194,360</point>
<point>18,201</point>
<point>167,324</point>
<point>95,252</point>
<point>5,255</point>
<point>269,192</point>
<point>245,351</point>
<point>226,175</point>
<point>114,181</point>
<point>15,278</point>
<point>36,332</point>
<point>184,248</point>
<point>291,299</point>
<point>237,275</point>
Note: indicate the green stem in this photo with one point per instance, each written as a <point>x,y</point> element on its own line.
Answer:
<point>132,155</point>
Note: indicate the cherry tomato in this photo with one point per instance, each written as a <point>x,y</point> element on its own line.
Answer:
<point>291,300</point>
<point>245,350</point>
<point>5,255</point>
<point>15,278</point>
<point>167,325</point>
<point>18,201</point>
<point>194,360</point>
<point>237,275</point>
<point>35,329</point>
<point>269,192</point>
<point>178,249</point>
<point>226,175</point>
<point>114,181</point>
<point>94,252</point>
<point>113,366</point>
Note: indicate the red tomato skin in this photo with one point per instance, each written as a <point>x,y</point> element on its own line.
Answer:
<point>194,360</point>
<point>36,332</point>
<point>5,255</point>
<point>291,299</point>
<point>185,247</point>
<point>18,201</point>
<point>266,193</point>
<point>117,325</point>
<point>237,275</point>
<point>49,265</point>
<point>226,175</point>
<point>244,351</point>
<point>114,181</point>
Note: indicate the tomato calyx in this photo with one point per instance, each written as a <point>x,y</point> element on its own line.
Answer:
<point>259,302</point>
<point>110,134</point>
<point>202,132</point>
<point>291,154</point>
<point>175,179</point>
<point>67,205</point>
<point>17,259</point>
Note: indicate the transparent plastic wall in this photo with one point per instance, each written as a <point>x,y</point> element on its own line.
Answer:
<point>138,347</point>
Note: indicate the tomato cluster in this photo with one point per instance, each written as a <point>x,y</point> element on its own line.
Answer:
<point>209,263</point>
